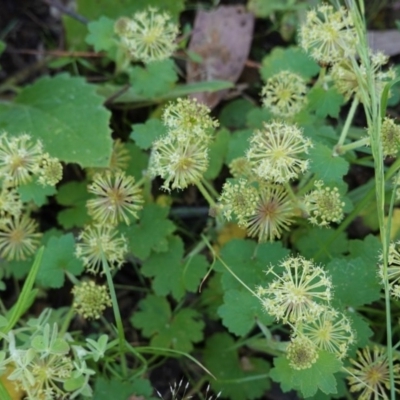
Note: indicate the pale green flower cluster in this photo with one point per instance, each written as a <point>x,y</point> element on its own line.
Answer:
<point>22,160</point>
<point>324,205</point>
<point>98,243</point>
<point>148,36</point>
<point>276,152</point>
<point>300,295</point>
<point>393,269</point>
<point>284,94</point>
<point>390,134</point>
<point>45,366</point>
<point>90,299</point>
<point>181,156</point>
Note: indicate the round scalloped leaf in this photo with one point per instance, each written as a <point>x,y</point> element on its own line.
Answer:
<point>67,115</point>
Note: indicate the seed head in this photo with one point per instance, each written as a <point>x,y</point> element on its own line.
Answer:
<point>329,330</point>
<point>324,205</point>
<point>273,213</point>
<point>19,158</point>
<point>18,237</point>
<point>327,35</point>
<point>275,151</point>
<point>370,374</point>
<point>149,35</point>
<point>90,299</point>
<point>117,198</point>
<point>284,94</point>
<point>297,292</point>
<point>99,240</point>
<point>302,353</point>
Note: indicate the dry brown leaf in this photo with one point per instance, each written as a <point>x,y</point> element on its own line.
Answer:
<point>222,38</point>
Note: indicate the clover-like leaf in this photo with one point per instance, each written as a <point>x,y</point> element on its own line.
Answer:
<point>145,134</point>
<point>325,102</point>
<point>101,34</point>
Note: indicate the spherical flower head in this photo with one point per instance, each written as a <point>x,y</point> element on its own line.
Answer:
<point>390,136</point>
<point>19,238</point>
<point>149,35</point>
<point>50,171</point>
<point>19,158</point>
<point>188,117</point>
<point>284,94</point>
<point>119,156</point>
<point>393,269</point>
<point>275,152</point>
<point>327,35</point>
<point>300,291</point>
<point>99,242</point>
<point>370,374</point>
<point>330,331</point>
<point>349,78</point>
<point>90,299</point>
<point>302,353</point>
<point>10,202</point>
<point>273,213</point>
<point>238,200</point>
<point>117,197</point>
<point>324,205</point>
<point>179,163</point>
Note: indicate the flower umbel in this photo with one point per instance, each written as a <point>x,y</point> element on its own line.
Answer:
<point>273,213</point>
<point>98,241</point>
<point>90,300</point>
<point>324,205</point>
<point>329,330</point>
<point>393,269</point>
<point>390,135</point>
<point>275,152</point>
<point>10,202</point>
<point>19,158</point>
<point>149,35</point>
<point>370,374</point>
<point>117,198</point>
<point>50,170</point>
<point>284,94</point>
<point>302,353</point>
<point>293,295</point>
<point>18,237</point>
<point>328,35</point>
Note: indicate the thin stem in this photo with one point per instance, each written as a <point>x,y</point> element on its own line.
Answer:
<point>347,124</point>
<point>350,146</point>
<point>206,195</point>
<point>117,315</point>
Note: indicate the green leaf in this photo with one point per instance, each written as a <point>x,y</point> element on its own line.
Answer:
<point>101,34</point>
<point>74,196</point>
<point>325,166</point>
<point>59,258</point>
<point>368,249</point>
<point>238,143</point>
<point>248,261</point>
<point>150,232</point>
<point>2,46</point>
<point>292,59</point>
<point>238,379</point>
<point>233,115</point>
<point>363,332</point>
<point>67,115</point>
<point>154,80</point>
<point>240,311</point>
<point>171,273</point>
<point>145,134</point>
<point>348,276</point>
<point>257,117</point>
<point>34,191</point>
<point>179,330</point>
<point>138,161</point>
<point>119,390</point>
<point>321,244</point>
<point>218,150</point>
<point>325,102</point>
<point>308,381</point>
